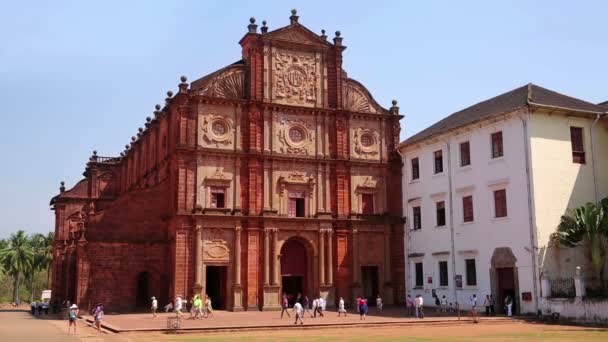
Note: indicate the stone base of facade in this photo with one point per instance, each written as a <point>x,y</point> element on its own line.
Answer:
<point>237,297</point>
<point>329,293</point>
<point>271,298</point>
<point>387,295</point>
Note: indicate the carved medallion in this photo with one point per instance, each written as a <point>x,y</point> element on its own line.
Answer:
<point>294,136</point>
<point>366,142</point>
<point>217,130</point>
<point>294,78</point>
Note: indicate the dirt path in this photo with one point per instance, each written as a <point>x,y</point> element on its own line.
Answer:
<point>21,326</point>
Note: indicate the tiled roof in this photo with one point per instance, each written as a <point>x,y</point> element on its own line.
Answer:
<point>529,94</point>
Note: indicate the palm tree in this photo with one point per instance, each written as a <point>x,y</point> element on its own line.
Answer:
<point>17,258</point>
<point>46,255</point>
<point>588,225</point>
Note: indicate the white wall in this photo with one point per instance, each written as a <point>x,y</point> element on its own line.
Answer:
<point>479,238</point>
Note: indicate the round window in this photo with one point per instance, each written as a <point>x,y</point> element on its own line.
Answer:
<point>366,140</point>
<point>219,128</point>
<point>296,135</point>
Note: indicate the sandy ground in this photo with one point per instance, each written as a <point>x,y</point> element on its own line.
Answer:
<point>495,332</point>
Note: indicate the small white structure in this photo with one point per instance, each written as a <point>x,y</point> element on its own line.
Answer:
<point>485,187</point>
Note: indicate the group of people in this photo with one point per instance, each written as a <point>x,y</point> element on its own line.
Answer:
<point>303,305</point>
<point>38,308</point>
<point>197,307</point>
<point>73,316</point>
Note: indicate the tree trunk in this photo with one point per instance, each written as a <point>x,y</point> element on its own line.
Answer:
<point>16,287</point>
<point>48,277</point>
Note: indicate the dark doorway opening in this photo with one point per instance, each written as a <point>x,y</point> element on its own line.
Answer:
<point>370,283</point>
<point>216,286</point>
<point>506,287</point>
<point>292,285</point>
<point>142,298</point>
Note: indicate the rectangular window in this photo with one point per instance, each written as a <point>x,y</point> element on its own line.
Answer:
<point>296,205</point>
<point>438,161</point>
<point>500,203</point>
<point>419,275</point>
<point>471,272</point>
<point>465,154</point>
<point>218,198</point>
<point>443,273</point>
<point>415,169</point>
<point>417,218</point>
<point>578,148</point>
<point>497,150</point>
<point>467,208</point>
<point>440,214</point>
<point>367,204</point>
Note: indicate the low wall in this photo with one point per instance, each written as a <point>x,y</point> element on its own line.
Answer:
<point>587,311</point>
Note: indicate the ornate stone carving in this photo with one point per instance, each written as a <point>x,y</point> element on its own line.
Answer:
<point>229,84</point>
<point>219,178</point>
<point>217,129</point>
<point>366,142</point>
<point>216,245</point>
<point>294,77</point>
<point>295,136</point>
<point>357,99</point>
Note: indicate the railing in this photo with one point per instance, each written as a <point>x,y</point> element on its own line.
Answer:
<point>99,159</point>
<point>562,288</point>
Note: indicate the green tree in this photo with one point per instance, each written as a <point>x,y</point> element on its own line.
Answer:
<point>588,226</point>
<point>16,258</point>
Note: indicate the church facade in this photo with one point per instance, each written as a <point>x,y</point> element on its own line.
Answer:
<point>275,174</point>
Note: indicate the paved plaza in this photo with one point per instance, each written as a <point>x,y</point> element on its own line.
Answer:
<point>252,320</point>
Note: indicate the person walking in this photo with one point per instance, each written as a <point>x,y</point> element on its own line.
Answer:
<point>315,304</point>
<point>306,306</point>
<point>474,313</point>
<point>363,309</point>
<point>320,305</point>
<point>492,311</point>
<point>419,302</point>
<point>178,305</point>
<point>438,304</point>
<point>379,302</point>
<point>444,304</point>
<point>299,311</point>
<point>284,305</point>
<point>98,316</point>
<point>341,309</point>
<point>154,306</point>
<point>72,317</point>
<point>487,304</point>
<point>509,305</point>
<point>197,307</point>
<point>409,305</point>
<point>208,307</point>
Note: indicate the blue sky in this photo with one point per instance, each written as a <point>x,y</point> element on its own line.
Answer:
<point>82,75</point>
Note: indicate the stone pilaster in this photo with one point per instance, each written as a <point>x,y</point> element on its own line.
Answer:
<point>198,270</point>
<point>237,289</point>
<point>271,289</point>
<point>322,257</point>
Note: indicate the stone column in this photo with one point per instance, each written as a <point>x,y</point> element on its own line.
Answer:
<point>322,257</point>
<point>198,270</point>
<point>330,263</point>
<point>579,283</point>
<point>545,285</point>
<point>277,258</point>
<point>266,183</point>
<point>320,186</point>
<point>266,256</point>
<point>237,185</point>
<point>355,256</point>
<point>237,256</point>
<point>327,189</point>
<point>387,254</point>
<point>236,286</point>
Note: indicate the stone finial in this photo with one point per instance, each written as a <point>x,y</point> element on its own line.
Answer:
<point>264,28</point>
<point>140,129</point>
<point>338,39</point>
<point>294,18</point>
<point>169,96</point>
<point>95,153</point>
<point>394,109</point>
<point>323,35</point>
<point>252,27</point>
<point>148,119</point>
<point>133,139</point>
<point>62,186</point>
<point>122,154</point>
<point>126,146</point>
<point>157,111</point>
<point>183,86</point>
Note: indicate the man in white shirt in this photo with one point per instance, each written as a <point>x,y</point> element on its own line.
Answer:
<point>178,305</point>
<point>299,310</point>
<point>420,306</point>
<point>154,306</point>
<point>315,305</point>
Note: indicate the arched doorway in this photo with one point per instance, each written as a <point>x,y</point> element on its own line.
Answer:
<point>142,298</point>
<point>294,269</point>
<point>504,279</point>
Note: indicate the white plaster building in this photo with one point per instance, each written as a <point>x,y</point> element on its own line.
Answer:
<point>485,187</point>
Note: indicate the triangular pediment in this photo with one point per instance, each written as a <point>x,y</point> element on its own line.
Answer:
<point>297,34</point>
